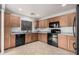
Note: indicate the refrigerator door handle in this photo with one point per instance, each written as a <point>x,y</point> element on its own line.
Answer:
<point>74,26</point>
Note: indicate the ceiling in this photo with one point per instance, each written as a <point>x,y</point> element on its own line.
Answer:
<point>38,10</point>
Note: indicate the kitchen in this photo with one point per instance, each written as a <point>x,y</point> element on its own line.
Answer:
<point>55,31</point>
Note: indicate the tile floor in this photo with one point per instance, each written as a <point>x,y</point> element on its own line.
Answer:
<point>37,48</point>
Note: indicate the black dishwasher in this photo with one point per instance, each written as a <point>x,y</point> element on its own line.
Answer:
<point>20,39</point>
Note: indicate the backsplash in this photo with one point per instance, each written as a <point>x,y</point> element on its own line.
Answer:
<point>15,29</point>
<point>67,30</point>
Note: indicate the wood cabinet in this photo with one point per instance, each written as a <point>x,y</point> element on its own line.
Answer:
<point>31,37</point>
<point>9,22</point>
<point>34,37</point>
<point>12,40</point>
<point>35,24</point>
<point>7,37</point>
<point>14,21</point>
<point>67,20</point>
<point>42,37</point>
<point>43,24</point>
<point>7,19</point>
<point>55,19</point>
<point>62,42</point>
<point>28,38</point>
<point>66,42</point>
<point>71,41</point>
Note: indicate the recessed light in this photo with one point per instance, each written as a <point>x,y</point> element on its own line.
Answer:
<point>64,5</point>
<point>20,9</point>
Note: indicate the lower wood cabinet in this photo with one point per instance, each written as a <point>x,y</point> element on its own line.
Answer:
<point>31,37</point>
<point>34,37</point>
<point>62,42</point>
<point>7,38</point>
<point>42,37</point>
<point>66,42</point>
<point>28,38</point>
<point>12,40</point>
<point>71,43</point>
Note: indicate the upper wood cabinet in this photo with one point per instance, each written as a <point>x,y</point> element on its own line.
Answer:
<point>35,24</point>
<point>14,21</point>
<point>43,24</point>
<point>67,20</point>
<point>55,19</point>
<point>7,19</point>
<point>11,20</point>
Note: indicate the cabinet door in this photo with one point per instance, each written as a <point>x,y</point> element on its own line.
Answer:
<point>15,21</point>
<point>67,20</point>
<point>42,37</point>
<point>28,38</point>
<point>34,37</point>
<point>40,24</point>
<point>63,21</point>
<point>71,41</point>
<point>39,37</point>
<point>55,19</point>
<point>70,19</point>
<point>62,41</point>
<point>7,20</point>
<point>12,40</point>
<point>7,38</point>
<point>46,24</point>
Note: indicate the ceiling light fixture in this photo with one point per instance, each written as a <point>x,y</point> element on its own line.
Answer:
<point>20,9</point>
<point>64,5</point>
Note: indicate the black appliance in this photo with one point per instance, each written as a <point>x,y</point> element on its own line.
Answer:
<point>77,29</point>
<point>20,39</point>
<point>54,24</point>
<point>53,37</point>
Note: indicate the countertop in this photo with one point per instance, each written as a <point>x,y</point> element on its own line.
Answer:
<point>27,32</point>
<point>70,34</point>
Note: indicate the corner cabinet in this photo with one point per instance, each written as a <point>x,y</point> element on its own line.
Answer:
<point>43,37</point>
<point>31,37</point>
<point>43,23</point>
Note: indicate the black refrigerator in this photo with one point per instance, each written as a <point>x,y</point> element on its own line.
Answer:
<point>77,29</point>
